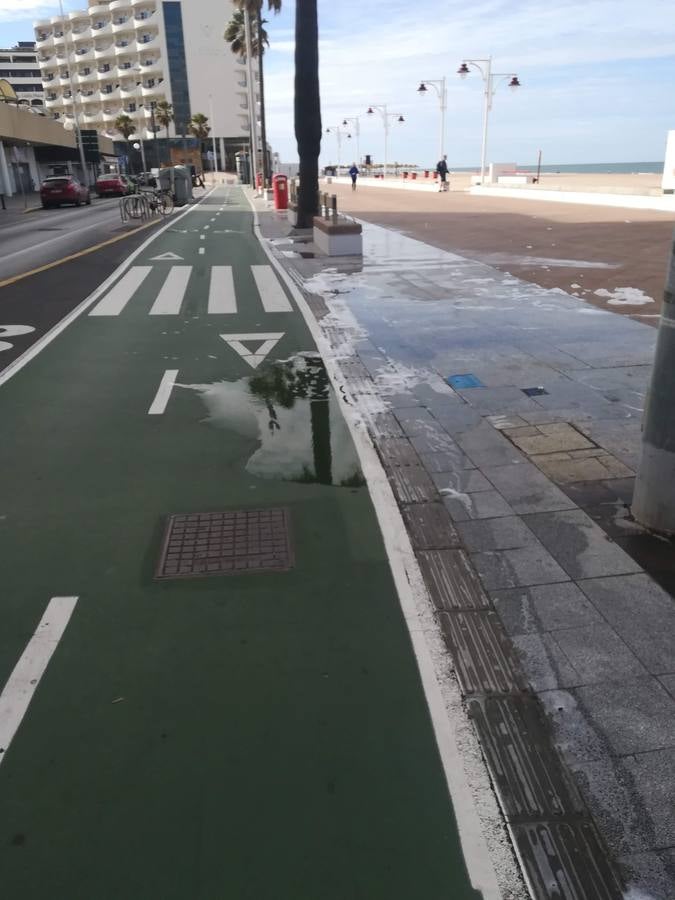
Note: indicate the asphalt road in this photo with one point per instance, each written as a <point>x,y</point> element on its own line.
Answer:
<point>51,260</point>
<point>31,240</point>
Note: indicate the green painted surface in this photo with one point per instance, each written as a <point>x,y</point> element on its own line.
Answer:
<point>270,738</point>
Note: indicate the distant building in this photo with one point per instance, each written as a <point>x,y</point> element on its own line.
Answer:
<point>125,56</point>
<point>19,66</point>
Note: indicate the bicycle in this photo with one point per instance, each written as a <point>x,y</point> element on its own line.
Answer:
<point>146,202</point>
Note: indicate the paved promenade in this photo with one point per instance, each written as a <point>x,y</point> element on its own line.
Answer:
<point>508,418</point>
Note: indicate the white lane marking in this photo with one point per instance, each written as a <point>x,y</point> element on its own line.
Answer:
<point>167,257</point>
<point>464,770</point>
<point>202,237</point>
<point>23,682</point>
<point>202,251</point>
<point>206,227</point>
<point>13,331</point>
<point>213,219</point>
<point>81,308</point>
<point>170,298</point>
<point>266,343</point>
<point>271,292</point>
<point>114,302</point>
<point>222,296</point>
<point>163,394</point>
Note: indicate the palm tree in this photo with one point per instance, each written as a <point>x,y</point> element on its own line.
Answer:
<point>125,125</point>
<point>164,115</point>
<point>199,127</point>
<point>307,108</point>
<point>235,35</point>
<point>259,41</point>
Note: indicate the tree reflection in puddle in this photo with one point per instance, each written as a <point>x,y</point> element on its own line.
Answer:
<point>290,409</point>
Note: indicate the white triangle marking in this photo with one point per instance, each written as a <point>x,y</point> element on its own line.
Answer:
<point>166,256</point>
<point>266,343</point>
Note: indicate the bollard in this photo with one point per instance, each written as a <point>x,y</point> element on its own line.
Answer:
<point>2,200</point>
<point>334,207</point>
<point>654,497</point>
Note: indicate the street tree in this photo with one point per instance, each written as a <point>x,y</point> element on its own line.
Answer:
<point>125,126</point>
<point>164,115</point>
<point>307,108</point>
<point>199,127</point>
<point>259,41</point>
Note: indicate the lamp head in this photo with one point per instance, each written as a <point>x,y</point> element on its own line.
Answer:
<point>400,119</point>
<point>344,121</point>
<point>422,89</point>
<point>514,83</point>
<point>370,111</point>
<point>463,70</point>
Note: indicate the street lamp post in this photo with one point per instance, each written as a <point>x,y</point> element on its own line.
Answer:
<point>213,138</point>
<point>140,113</point>
<point>382,110</point>
<point>70,62</point>
<point>356,122</point>
<point>441,88</point>
<point>492,81</point>
<point>339,133</point>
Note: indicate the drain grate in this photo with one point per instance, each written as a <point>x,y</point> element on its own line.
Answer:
<point>236,542</point>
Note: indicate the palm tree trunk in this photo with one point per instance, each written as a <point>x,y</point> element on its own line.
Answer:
<point>307,108</point>
<point>263,124</point>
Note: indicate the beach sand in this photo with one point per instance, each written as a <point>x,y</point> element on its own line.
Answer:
<point>620,253</point>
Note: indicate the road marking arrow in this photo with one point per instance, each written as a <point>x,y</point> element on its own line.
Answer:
<point>266,343</point>
<point>166,257</point>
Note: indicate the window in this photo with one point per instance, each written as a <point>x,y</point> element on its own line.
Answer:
<point>131,107</point>
<point>175,43</point>
<point>86,71</point>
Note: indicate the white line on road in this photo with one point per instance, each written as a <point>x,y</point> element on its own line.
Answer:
<point>206,227</point>
<point>23,682</point>
<point>222,297</point>
<point>271,292</point>
<point>114,302</point>
<point>163,394</point>
<point>202,237</point>
<point>202,251</point>
<point>170,298</point>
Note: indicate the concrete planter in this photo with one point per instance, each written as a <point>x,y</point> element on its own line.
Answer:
<point>338,237</point>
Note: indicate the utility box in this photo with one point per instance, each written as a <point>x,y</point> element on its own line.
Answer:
<point>280,191</point>
<point>178,180</point>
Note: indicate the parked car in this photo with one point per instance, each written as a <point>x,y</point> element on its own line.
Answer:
<point>63,189</point>
<point>113,185</point>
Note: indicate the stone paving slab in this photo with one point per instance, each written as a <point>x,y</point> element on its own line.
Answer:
<point>545,608</point>
<point>634,715</point>
<point>652,773</point>
<point>507,533</point>
<point>526,488</point>
<point>598,654</point>
<point>465,481</point>
<point>546,666</point>
<point>524,566</point>
<point>579,545</point>
<point>482,505</point>
<point>642,613</point>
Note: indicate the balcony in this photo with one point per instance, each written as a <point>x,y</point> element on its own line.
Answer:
<point>129,89</point>
<point>99,12</point>
<point>143,15</point>
<point>83,33</point>
<point>144,41</point>
<point>47,58</point>
<point>64,78</point>
<point>144,4</point>
<point>122,24</point>
<point>47,79</point>
<point>110,96</point>
<point>124,46</point>
<point>84,54</point>
<point>152,67</point>
<point>51,100</point>
<point>106,51</point>
<point>151,90</point>
<point>109,115</point>
<point>45,43</point>
<point>101,29</point>
<point>120,7</point>
<point>90,78</point>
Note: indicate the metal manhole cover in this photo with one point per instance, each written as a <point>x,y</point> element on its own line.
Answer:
<point>236,542</point>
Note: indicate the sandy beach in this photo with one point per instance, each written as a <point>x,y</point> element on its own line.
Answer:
<point>613,258</point>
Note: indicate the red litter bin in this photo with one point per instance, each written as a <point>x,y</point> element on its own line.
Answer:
<point>280,191</point>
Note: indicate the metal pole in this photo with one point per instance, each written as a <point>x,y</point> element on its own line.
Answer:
<point>386,140</point>
<point>78,133</point>
<point>358,142</point>
<point>251,97</point>
<point>654,498</point>
<point>488,102</point>
<point>213,138</point>
<point>539,168</point>
<point>444,104</point>
<point>339,148</point>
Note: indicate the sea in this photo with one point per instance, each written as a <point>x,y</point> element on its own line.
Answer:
<point>624,168</point>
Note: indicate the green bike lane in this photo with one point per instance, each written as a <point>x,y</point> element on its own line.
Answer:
<point>259,735</point>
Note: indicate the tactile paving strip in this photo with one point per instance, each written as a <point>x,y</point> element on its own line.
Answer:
<point>235,542</point>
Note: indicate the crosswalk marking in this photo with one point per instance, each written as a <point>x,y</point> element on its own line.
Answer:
<point>161,400</point>
<point>114,302</point>
<point>222,296</point>
<point>170,298</point>
<point>269,287</point>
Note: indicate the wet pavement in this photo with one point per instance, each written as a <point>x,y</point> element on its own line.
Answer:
<point>516,484</point>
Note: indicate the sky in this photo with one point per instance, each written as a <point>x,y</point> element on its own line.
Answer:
<point>597,76</point>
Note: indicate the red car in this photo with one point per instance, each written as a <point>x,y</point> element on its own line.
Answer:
<point>63,189</point>
<point>113,185</point>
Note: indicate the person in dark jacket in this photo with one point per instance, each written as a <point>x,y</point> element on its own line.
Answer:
<point>442,172</point>
<point>354,172</point>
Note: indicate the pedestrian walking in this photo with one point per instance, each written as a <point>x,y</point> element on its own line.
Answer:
<point>442,172</point>
<point>354,172</point>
